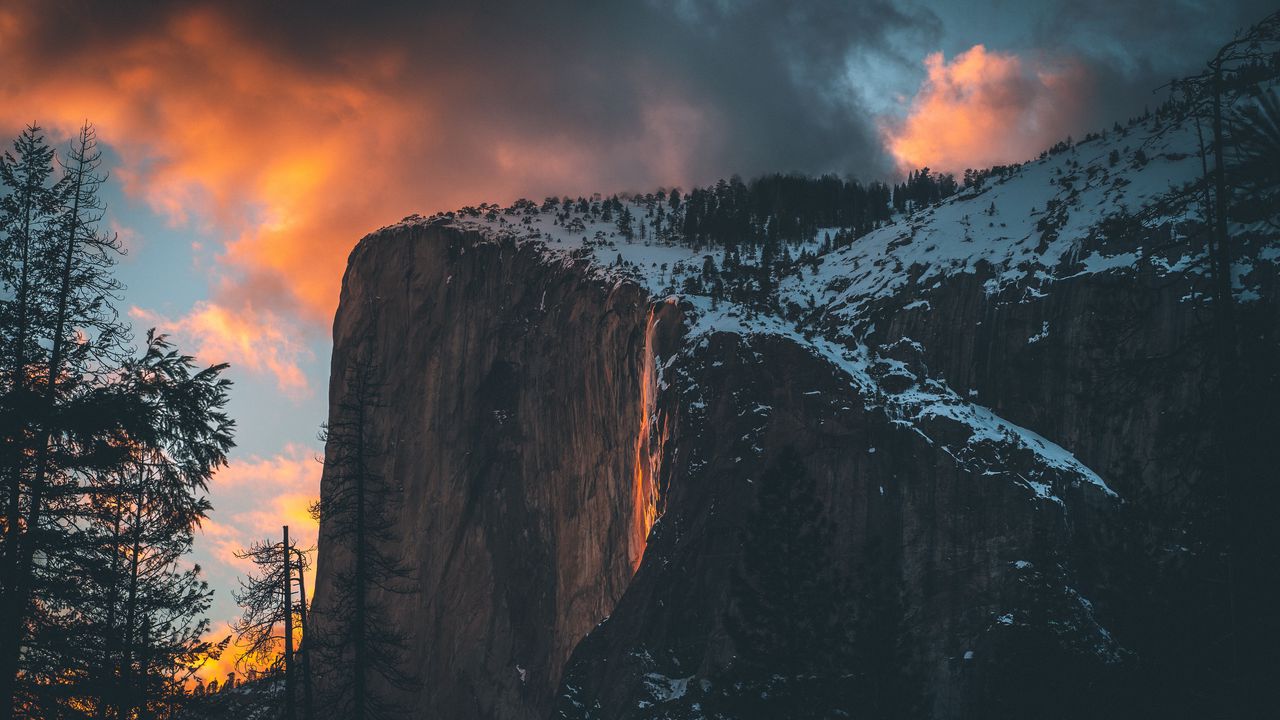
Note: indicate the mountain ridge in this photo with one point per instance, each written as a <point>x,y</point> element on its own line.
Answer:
<point>1004,424</point>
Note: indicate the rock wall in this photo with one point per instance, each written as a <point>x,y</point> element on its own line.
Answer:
<point>955,548</point>
<point>1003,604</point>
<point>538,417</point>
<point>510,402</point>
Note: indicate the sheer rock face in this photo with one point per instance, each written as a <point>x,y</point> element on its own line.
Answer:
<point>508,415</point>
<point>954,549</point>
<point>1102,365</point>
<point>1119,370</point>
<point>531,409</point>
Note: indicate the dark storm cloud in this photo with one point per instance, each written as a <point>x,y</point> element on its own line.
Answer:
<point>292,127</point>
<point>770,75</point>
<point>1133,47</point>
<point>773,76</point>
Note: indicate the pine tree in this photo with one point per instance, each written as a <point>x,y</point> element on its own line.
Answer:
<point>789,622</point>
<point>78,413</point>
<point>67,304</point>
<point>1236,114</point>
<point>120,617</point>
<point>362,650</point>
<point>624,222</point>
<point>266,627</point>
<point>144,517</point>
<point>27,210</point>
<point>1255,138</point>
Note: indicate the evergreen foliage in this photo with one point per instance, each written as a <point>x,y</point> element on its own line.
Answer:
<point>360,645</point>
<point>105,456</point>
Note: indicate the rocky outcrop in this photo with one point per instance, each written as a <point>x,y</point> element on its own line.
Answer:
<point>510,397</point>
<point>952,550</point>
<point>1008,492</point>
<point>1001,602</point>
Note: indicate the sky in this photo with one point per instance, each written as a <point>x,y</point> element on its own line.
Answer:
<point>252,144</point>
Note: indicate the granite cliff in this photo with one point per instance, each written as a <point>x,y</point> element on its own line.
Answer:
<point>975,463</point>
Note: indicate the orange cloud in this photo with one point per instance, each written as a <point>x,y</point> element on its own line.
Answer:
<point>257,341</point>
<point>218,669</point>
<point>290,509</point>
<point>232,659</point>
<point>986,108</point>
<point>273,491</point>
<point>296,468</point>
<point>222,542</point>
<point>289,159</point>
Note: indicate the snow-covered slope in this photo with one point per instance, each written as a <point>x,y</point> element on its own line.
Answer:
<point>1001,399</point>
<point>1024,230</point>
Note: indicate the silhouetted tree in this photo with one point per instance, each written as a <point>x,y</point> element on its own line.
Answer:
<point>363,651</point>
<point>1255,172</point>
<point>1206,98</point>
<point>266,629</point>
<point>27,216</point>
<point>76,413</point>
<point>144,611</point>
<point>1226,593</point>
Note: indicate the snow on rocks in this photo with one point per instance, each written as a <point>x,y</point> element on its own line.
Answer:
<point>1030,227</point>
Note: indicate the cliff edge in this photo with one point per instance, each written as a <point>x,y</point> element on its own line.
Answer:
<point>973,463</point>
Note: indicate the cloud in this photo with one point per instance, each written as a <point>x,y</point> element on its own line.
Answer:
<point>221,542</point>
<point>288,129</point>
<point>233,660</point>
<point>257,341</point>
<point>290,133</point>
<point>296,467</point>
<point>129,239</point>
<point>290,509</point>
<point>253,497</point>
<point>987,108</point>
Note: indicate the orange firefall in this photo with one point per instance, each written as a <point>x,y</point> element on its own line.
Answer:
<point>644,498</point>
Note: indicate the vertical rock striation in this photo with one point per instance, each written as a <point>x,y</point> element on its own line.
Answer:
<point>514,397</point>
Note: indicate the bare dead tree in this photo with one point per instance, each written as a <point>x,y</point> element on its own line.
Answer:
<point>268,609</point>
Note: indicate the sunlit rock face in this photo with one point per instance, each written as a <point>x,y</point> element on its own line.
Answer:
<point>510,398</point>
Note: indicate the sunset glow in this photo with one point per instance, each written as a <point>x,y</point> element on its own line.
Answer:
<point>291,164</point>
<point>256,341</point>
<point>234,659</point>
<point>281,489</point>
<point>986,108</point>
<point>738,167</point>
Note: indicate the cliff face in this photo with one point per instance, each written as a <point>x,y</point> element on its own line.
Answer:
<point>944,471</point>
<point>509,403</point>
<point>934,552</point>
<point>999,601</point>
